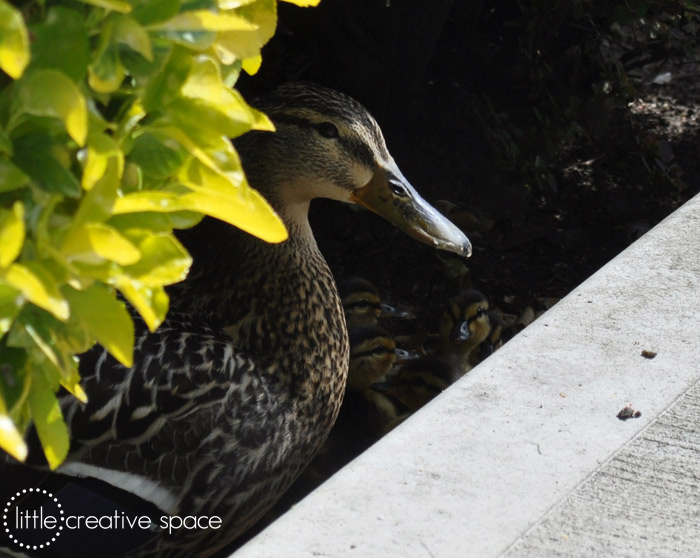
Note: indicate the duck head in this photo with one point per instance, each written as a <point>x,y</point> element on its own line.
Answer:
<point>328,145</point>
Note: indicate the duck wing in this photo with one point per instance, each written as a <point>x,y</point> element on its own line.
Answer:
<point>193,428</point>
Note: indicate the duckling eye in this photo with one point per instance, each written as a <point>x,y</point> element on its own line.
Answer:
<point>480,312</point>
<point>327,130</point>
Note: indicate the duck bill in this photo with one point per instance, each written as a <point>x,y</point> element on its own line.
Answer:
<point>460,332</point>
<point>390,195</point>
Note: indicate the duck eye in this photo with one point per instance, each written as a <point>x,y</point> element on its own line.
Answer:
<point>327,130</point>
<point>398,189</point>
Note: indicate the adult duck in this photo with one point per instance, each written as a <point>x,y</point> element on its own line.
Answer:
<point>232,396</point>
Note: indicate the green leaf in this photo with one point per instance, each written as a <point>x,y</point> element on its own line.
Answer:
<point>61,42</point>
<point>35,154</point>
<point>128,32</point>
<point>71,382</point>
<point>100,149</point>
<point>104,318</point>
<point>10,176</point>
<point>153,11</point>
<point>10,305</point>
<point>303,3</point>
<point>10,438</point>
<point>203,20</point>
<point>205,85</point>
<point>150,302</point>
<point>194,114</point>
<point>217,195</point>
<point>106,73</point>
<point>155,222</point>
<point>112,5</point>
<point>37,286</point>
<point>216,187</point>
<point>238,45</point>
<point>95,243</point>
<point>15,381</point>
<point>163,259</point>
<point>11,233</point>
<point>158,154</point>
<point>48,420</point>
<point>97,204</point>
<point>233,4</point>
<point>52,346</point>
<point>198,29</point>
<point>51,93</point>
<point>5,144</point>
<point>252,65</point>
<point>166,85</point>
<point>185,219</point>
<point>14,41</point>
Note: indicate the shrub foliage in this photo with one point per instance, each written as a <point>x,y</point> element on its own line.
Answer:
<point>115,119</point>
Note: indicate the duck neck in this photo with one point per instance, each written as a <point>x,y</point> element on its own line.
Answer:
<point>278,302</point>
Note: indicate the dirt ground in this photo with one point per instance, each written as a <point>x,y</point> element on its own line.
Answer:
<point>533,243</point>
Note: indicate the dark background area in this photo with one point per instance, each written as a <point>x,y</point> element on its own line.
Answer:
<point>554,133</point>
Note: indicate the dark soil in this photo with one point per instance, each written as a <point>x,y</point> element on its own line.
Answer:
<point>447,87</point>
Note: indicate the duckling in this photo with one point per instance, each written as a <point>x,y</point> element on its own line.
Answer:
<point>493,340</point>
<point>229,399</point>
<point>362,303</point>
<point>365,413</point>
<point>463,326</point>
<point>415,383</point>
<point>372,353</point>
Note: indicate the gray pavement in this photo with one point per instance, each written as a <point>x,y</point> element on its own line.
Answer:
<point>644,502</point>
<point>525,456</point>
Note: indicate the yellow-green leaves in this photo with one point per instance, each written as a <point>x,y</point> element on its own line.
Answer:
<point>11,234</point>
<point>111,326</point>
<point>10,438</point>
<point>116,121</point>
<point>100,150</point>
<point>114,5</point>
<point>304,3</point>
<point>37,286</point>
<point>61,43</point>
<point>51,93</point>
<point>150,302</point>
<point>48,420</point>
<point>262,16</point>
<point>14,41</point>
<point>95,243</point>
<point>203,20</point>
<point>15,382</point>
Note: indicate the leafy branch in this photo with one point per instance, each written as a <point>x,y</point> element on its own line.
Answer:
<point>115,126</point>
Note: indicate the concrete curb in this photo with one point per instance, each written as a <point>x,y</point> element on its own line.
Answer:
<point>483,463</point>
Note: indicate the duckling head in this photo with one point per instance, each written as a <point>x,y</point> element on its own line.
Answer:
<point>360,299</point>
<point>464,323</point>
<point>371,355</point>
<point>327,145</point>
